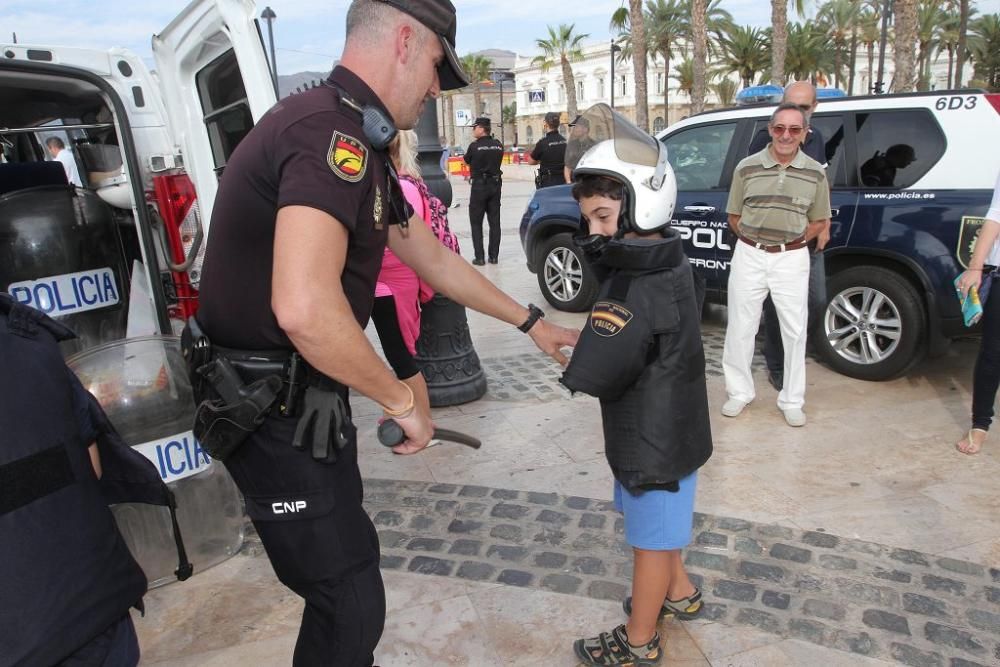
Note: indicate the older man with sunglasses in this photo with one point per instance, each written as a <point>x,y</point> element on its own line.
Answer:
<point>779,202</point>
<point>803,95</point>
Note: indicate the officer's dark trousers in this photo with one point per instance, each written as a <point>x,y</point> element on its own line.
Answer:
<point>326,551</point>
<point>774,351</point>
<point>485,199</point>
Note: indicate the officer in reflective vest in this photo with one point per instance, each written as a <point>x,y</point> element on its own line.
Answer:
<point>69,579</point>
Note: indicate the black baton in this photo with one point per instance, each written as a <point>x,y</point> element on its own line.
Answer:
<point>391,434</point>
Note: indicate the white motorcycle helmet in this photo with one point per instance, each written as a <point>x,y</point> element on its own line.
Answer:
<point>632,157</point>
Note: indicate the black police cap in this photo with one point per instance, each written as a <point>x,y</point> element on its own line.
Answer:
<point>483,122</point>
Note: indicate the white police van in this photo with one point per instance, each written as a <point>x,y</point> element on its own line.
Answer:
<point>121,254</point>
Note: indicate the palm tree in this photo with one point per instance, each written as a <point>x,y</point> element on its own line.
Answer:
<point>684,74</point>
<point>963,28</point>
<point>631,26</point>
<point>667,24</point>
<point>904,44</point>
<point>779,37</point>
<point>984,47</point>
<point>478,68</point>
<point>562,46</point>
<point>809,54</point>
<point>930,19</point>
<point>699,43</point>
<point>725,89</point>
<point>948,41</point>
<point>870,22</point>
<point>745,52</point>
<point>840,18</point>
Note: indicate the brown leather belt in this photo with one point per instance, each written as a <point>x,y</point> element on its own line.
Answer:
<point>794,244</point>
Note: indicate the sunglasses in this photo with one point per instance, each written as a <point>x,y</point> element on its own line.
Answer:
<point>793,131</point>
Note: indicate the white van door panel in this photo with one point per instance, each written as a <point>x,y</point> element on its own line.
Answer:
<point>203,57</point>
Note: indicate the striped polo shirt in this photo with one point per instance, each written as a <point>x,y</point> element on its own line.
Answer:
<point>777,202</point>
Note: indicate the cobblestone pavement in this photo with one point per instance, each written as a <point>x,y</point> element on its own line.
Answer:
<point>534,376</point>
<point>854,596</point>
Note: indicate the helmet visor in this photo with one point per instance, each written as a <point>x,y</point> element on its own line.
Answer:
<point>600,123</point>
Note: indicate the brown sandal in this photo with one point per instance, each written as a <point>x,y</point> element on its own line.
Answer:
<point>968,444</point>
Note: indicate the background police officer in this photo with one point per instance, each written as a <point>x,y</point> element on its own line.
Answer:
<point>550,154</point>
<point>300,224</point>
<point>69,579</point>
<point>484,157</point>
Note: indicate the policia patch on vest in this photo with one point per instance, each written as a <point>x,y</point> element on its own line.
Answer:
<point>347,157</point>
<point>609,319</point>
<point>379,208</point>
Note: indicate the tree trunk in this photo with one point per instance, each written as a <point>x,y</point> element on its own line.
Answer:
<point>639,62</point>
<point>570,83</point>
<point>904,45</point>
<point>666,89</point>
<point>951,63</point>
<point>871,67</point>
<point>963,28</point>
<point>836,65</point>
<point>699,35</point>
<point>477,101</point>
<point>779,40</point>
<point>853,60</point>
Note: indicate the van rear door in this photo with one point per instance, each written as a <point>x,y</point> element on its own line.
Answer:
<point>216,84</point>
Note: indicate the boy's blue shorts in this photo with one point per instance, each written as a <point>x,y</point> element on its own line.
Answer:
<point>658,520</point>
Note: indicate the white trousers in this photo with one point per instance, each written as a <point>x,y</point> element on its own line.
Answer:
<point>752,274</point>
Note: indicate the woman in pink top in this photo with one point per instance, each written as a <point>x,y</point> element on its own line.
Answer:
<point>399,291</point>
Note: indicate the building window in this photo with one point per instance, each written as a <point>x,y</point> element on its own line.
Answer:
<point>659,83</point>
<point>562,93</point>
<point>600,88</point>
<point>622,86</point>
<point>579,91</point>
<point>657,124</point>
<point>529,134</point>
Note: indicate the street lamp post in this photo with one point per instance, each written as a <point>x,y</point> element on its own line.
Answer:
<point>614,49</point>
<point>269,16</point>
<point>498,78</point>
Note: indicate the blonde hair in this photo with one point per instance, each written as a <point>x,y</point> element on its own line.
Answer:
<point>403,151</point>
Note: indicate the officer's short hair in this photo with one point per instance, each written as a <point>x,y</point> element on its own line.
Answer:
<point>55,141</point>
<point>788,106</point>
<point>592,185</point>
<point>369,20</point>
<point>552,120</point>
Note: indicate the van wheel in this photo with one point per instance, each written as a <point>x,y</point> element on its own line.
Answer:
<point>874,323</point>
<point>564,277</point>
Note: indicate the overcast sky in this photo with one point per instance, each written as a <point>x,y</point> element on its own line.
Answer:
<point>309,34</point>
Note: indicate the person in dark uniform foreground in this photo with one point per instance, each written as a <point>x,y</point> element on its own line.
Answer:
<point>69,578</point>
<point>641,355</point>
<point>484,157</point>
<point>304,210</point>
<point>550,154</point>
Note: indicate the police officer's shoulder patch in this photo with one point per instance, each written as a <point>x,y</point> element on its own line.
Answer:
<point>609,319</point>
<point>347,157</point>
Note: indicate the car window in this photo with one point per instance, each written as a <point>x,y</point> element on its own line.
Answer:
<point>698,154</point>
<point>896,148</point>
<point>224,105</point>
<point>831,128</point>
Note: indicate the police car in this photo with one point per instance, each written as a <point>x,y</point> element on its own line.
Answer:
<point>911,175</point>
<point>122,254</point>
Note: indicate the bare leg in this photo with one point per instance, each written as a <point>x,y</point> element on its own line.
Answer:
<point>680,585</point>
<point>650,583</point>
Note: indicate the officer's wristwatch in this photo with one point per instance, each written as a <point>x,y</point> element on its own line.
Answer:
<point>534,314</point>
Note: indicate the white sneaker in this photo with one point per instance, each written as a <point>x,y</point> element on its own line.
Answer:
<point>733,407</point>
<point>794,416</point>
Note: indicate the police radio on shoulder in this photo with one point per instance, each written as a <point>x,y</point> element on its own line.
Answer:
<point>534,314</point>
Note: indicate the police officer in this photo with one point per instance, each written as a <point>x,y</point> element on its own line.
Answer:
<point>69,578</point>
<point>484,157</point>
<point>550,154</point>
<point>304,210</point>
<point>579,142</point>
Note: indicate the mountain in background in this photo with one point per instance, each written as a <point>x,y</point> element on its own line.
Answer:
<point>287,83</point>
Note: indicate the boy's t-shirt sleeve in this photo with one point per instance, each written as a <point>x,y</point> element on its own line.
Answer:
<point>611,353</point>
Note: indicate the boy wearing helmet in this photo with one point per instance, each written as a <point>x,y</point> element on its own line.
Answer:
<point>641,355</point>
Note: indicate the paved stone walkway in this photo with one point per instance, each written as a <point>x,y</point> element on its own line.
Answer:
<point>846,594</point>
